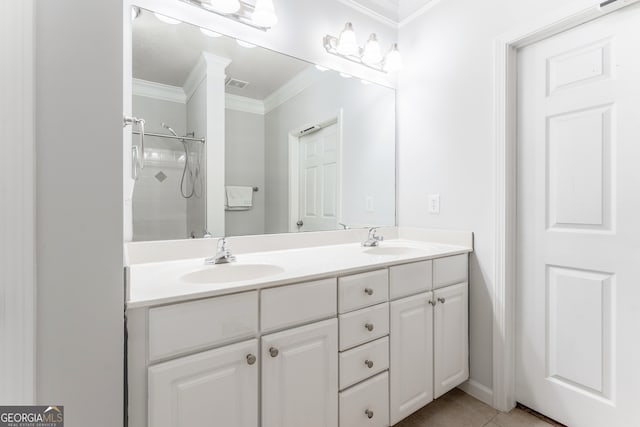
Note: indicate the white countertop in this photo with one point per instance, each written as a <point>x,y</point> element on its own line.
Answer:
<point>163,282</point>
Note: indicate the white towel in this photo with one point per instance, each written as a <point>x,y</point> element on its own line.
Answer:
<point>239,197</point>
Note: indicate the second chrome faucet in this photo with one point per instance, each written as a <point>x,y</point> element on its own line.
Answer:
<point>223,254</point>
<point>372,239</point>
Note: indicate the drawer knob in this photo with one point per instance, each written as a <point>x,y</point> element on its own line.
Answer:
<point>369,413</point>
<point>369,363</point>
<point>274,352</point>
<point>442,300</point>
<point>251,359</point>
<point>368,291</point>
<point>369,327</point>
<point>432,302</point>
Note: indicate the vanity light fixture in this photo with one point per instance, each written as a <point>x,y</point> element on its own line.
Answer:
<point>346,46</point>
<point>135,12</point>
<point>261,16</point>
<point>167,20</point>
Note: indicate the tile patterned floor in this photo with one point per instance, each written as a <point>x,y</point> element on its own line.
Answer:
<point>458,409</point>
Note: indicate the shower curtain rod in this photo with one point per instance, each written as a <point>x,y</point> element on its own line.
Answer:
<point>181,138</point>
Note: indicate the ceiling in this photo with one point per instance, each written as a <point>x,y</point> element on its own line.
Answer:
<point>165,53</point>
<point>394,10</point>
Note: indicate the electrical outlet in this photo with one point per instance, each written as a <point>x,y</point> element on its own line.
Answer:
<point>370,207</point>
<point>433,204</point>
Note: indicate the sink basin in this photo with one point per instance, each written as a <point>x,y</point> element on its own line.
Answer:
<point>391,250</point>
<point>224,273</point>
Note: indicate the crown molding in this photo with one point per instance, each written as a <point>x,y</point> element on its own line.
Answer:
<point>244,104</point>
<point>421,11</point>
<point>158,91</point>
<point>370,13</point>
<point>292,88</point>
<point>201,69</point>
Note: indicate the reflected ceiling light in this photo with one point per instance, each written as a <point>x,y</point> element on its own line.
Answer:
<point>393,61</point>
<point>246,44</point>
<point>345,75</point>
<point>365,82</point>
<point>224,6</point>
<point>321,68</point>
<point>259,14</point>
<point>135,12</point>
<point>167,20</point>
<point>264,14</point>
<point>346,46</point>
<point>210,33</point>
<point>347,42</point>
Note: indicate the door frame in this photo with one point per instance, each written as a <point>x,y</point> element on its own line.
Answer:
<point>294,165</point>
<point>505,136</point>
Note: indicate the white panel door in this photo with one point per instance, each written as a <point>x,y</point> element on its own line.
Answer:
<point>450,338</point>
<point>300,376</point>
<point>319,180</point>
<point>578,291</point>
<point>214,388</point>
<point>411,355</point>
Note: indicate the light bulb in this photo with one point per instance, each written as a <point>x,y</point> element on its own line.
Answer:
<point>224,6</point>
<point>135,12</point>
<point>372,53</point>
<point>166,19</point>
<point>264,14</point>
<point>209,33</point>
<point>393,61</point>
<point>347,43</point>
<point>246,44</point>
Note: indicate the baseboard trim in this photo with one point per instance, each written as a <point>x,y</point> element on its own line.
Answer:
<point>479,391</point>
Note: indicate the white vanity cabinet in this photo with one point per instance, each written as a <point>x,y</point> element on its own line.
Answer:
<point>214,387</point>
<point>429,350</point>
<point>300,376</point>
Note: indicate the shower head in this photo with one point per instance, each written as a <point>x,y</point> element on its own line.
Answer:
<point>167,127</point>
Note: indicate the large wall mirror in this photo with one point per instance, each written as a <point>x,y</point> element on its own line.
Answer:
<point>242,140</point>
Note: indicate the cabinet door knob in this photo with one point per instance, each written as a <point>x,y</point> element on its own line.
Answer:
<point>251,359</point>
<point>442,300</point>
<point>369,363</point>
<point>274,352</point>
<point>369,413</point>
<point>368,291</point>
<point>369,327</point>
<point>432,302</point>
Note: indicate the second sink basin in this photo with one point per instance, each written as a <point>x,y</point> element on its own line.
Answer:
<point>224,273</point>
<point>391,250</point>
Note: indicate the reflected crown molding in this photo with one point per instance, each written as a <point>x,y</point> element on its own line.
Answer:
<point>292,88</point>
<point>158,91</point>
<point>199,71</point>
<point>244,104</point>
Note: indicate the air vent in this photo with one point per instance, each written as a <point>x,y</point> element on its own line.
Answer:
<point>238,84</point>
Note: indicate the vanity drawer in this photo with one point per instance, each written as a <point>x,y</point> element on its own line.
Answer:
<point>450,270</point>
<point>410,279</point>
<point>366,404</point>
<point>362,290</point>
<point>291,305</point>
<point>364,361</point>
<point>364,325</point>
<point>181,328</point>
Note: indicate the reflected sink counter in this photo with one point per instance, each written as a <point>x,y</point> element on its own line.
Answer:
<point>175,281</point>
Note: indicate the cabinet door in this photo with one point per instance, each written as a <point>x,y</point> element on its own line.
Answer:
<point>411,355</point>
<point>300,376</point>
<point>213,388</point>
<point>451,338</point>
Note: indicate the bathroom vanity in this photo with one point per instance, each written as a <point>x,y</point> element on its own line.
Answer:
<point>337,335</point>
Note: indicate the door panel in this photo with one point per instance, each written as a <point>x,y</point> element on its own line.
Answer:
<point>577,308</point>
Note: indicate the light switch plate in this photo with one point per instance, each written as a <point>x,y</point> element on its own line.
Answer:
<point>433,201</point>
<point>370,207</point>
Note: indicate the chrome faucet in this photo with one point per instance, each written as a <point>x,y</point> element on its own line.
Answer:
<point>372,240</point>
<point>223,255</point>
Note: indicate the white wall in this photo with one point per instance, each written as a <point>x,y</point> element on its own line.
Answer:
<point>445,146</point>
<point>80,294</point>
<point>159,210</point>
<point>244,165</point>
<point>368,149</point>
